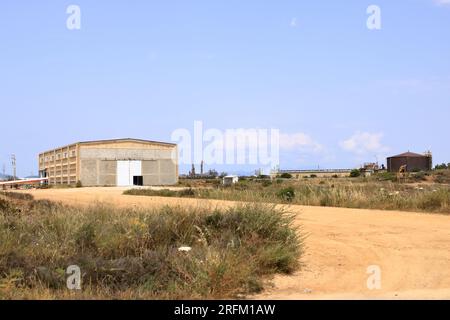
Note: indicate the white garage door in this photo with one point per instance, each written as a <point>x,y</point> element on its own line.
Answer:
<point>126,170</point>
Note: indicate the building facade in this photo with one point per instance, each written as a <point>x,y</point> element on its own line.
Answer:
<point>119,162</point>
<point>412,161</point>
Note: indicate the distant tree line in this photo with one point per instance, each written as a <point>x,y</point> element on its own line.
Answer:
<point>6,177</point>
<point>442,166</point>
<point>211,174</point>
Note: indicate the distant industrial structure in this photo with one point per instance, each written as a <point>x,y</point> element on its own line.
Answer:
<point>320,173</point>
<point>119,162</point>
<point>210,174</point>
<point>367,169</point>
<point>410,162</point>
<point>405,162</point>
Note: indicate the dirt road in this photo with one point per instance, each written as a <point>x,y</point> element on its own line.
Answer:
<point>411,249</point>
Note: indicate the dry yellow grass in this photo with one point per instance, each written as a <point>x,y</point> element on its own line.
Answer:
<point>412,249</point>
<point>175,252</point>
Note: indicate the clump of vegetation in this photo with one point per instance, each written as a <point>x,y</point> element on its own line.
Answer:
<point>355,173</point>
<point>266,183</point>
<point>165,253</point>
<point>442,176</point>
<point>434,201</point>
<point>286,194</point>
<point>419,176</point>
<point>17,195</point>
<point>286,176</point>
<point>4,205</point>
<point>184,193</point>
<point>442,166</point>
<point>370,193</point>
<point>387,176</point>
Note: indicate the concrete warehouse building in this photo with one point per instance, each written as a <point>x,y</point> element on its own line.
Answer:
<point>120,162</point>
<point>412,161</point>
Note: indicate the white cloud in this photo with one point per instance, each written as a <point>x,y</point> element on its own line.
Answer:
<point>300,141</point>
<point>442,2</point>
<point>362,143</point>
<point>294,23</point>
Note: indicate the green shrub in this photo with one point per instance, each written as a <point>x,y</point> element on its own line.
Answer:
<point>419,176</point>
<point>184,193</point>
<point>287,194</point>
<point>286,175</point>
<point>442,166</point>
<point>266,183</point>
<point>355,173</point>
<point>387,176</point>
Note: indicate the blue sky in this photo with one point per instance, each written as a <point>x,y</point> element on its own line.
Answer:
<point>340,94</point>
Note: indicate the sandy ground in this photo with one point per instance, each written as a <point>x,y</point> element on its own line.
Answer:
<point>412,249</point>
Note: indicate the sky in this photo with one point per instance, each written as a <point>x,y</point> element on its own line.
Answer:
<point>340,94</point>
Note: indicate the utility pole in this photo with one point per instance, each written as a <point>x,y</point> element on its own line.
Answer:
<point>13,162</point>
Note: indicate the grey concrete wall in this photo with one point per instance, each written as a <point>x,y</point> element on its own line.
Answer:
<point>168,172</point>
<point>96,172</point>
<point>88,172</point>
<point>107,172</point>
<point>124,154</point>
<point>159,172</point>
<point>99,166</point>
